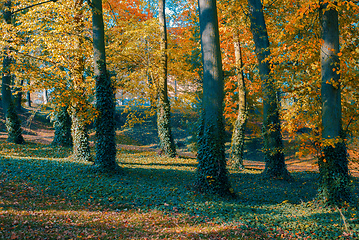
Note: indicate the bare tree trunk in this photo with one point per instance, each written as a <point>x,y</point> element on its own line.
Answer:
<point>333,164</point>
<point>18,97</point>
<point>237,142</point>
<point>167,144</point>
<point>211,171</point>
<point>275,166</point>
<point>28,99</point>
<point>45,96</point>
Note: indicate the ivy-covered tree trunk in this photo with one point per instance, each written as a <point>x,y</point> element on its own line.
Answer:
<point>237,142</point>
<point>275,166</point>
<point>105,97</point>
<point>12,120</point>
<point>167,144</point>
<point>62,125</point>
<point>211,171</point>
<point>13,125</point>
<point>81,146</point>
<point>333,163</point>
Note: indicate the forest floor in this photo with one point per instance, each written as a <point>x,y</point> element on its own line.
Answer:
<point>143,137</point>
<point>45,194</point>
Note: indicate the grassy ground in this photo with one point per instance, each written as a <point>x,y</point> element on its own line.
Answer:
<point>46,194</point>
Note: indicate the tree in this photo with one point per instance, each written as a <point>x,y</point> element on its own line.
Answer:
<point>333,163</point>
<point>62,125</point>
<point>81,146</point>
<point>105,99</point>
<point>273,145</point>
<point>237,141</point>
<point>167,144</point>
<point>12,121</point>
<point>211,171</point>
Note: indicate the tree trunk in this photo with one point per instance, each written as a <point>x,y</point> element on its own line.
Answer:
<point>237,142</point>
<point>105,97</point>
<point>18,97</point>
<point>12,120</point>
<point>62,125</point>
<point>45,96</point>
<point>333,163</point>
<point>81,146</point>
<point>275,166</point>
<point>28,94</point>
<point>28,98</point>
<point>211,171</point>
<point>167,144</point>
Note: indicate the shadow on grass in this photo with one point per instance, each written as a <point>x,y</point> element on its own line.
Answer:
<point>263,204</point>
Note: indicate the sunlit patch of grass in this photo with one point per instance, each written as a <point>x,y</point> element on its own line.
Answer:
<point>33,150</point>
<point>152,198</point>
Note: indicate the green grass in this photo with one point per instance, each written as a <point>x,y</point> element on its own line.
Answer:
<point>44,193</point>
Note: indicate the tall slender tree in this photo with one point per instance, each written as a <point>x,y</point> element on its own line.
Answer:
<point>12,120</point>
<point>275,166</point>
<point>163,106</point>
<point>333,163</point>
<point>105,97</point>
<point>237,141</point>
<point>81,146</point>
<point>211,171</point>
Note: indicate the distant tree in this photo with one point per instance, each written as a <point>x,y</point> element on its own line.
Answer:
<point>333,163</point>
<point>211,170</point>
<point>105,97</point>
<point>275,166</point>
<point>167,144</point>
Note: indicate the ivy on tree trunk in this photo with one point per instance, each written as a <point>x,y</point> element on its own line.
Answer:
<point>333,162</point>
<point>62,125</point>
<point>237,141</point>
<point>167,144</point>
<point>275,166</point>
<point>105,97</point>
<point>211,171</point>
<point>81,146</point>
<point>13,125</point>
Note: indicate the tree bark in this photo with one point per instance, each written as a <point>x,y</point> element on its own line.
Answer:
<point>211,171</point>
<point>237,141</point>
<point>45,96</point>
<point>333,163</point>
<point>167,144</point>
<point>13,125</point>
<point>275,166</point>
<point>18,97</point>
<point>105,97</point>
